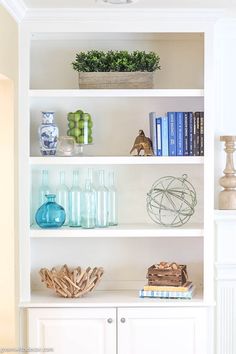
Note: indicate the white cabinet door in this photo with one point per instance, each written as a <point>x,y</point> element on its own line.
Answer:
<point>162,331</point>
<point>77,331</point>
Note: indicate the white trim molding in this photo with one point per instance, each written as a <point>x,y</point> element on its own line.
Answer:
<point>16,8</point>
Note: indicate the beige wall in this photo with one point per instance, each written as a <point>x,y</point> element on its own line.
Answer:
<point>8,114</point>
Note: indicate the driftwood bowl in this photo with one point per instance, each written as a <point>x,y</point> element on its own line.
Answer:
<point>71,283</point>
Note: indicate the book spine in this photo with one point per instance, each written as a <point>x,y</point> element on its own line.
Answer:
<point>179,133</point>
<point>166,294</point>
<point>190,132</point>
<point>159,137</point>
<point>152,126</point>
<point>186,136</point>
<point>201,142</point>
<point>172,133</point>
<point>197,114</point>
<point>194,135</point>
<point>164,135</point>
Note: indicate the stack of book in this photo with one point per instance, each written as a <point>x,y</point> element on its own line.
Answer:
<point>177,134</point>
<point>168,292</point>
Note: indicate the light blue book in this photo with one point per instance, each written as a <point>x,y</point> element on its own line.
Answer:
<point>159,136</point>
<point>165,139</point>
<point>153,132</point>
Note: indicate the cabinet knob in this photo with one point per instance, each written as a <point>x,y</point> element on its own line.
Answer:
<point>109,320</point>
<point>122,320</point>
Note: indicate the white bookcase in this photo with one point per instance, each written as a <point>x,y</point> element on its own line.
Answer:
<point>186,82</point>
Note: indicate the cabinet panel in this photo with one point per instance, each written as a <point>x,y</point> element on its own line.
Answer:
<point>164,331</point>
<point>86,331</point>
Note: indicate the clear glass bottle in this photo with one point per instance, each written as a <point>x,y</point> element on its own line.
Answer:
<point>112,200</point>
<point>48,134</point>
<point>102,202</point>
<point>62,193</point>
<point>88,206</point>
<point>43,189</point>
<point>75,202</point>
<point>50,214</point>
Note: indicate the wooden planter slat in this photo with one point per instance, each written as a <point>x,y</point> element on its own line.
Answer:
<point>116,80</point>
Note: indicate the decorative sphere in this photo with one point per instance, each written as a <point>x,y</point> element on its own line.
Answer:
<point>171,201</point>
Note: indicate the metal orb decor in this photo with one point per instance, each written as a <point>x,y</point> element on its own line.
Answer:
<point>171,201</point>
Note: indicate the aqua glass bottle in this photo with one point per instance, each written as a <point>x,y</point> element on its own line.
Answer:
<point>102,202</point>
<point>43,189</point>
<point>62,193</point>
<point>88,206</point>
<point>112,200</point>
<point>50,214</point>
<point>75,202</point>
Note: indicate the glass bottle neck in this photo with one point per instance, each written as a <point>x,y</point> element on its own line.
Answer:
<point>75,178</point>
<point>101,178</point>
<point>51,197</point>
<point>87,185</point>
<point>62,177</point>
<point>111,179</point>
<point>44,177</point>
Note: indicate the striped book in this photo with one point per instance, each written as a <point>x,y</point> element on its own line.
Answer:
<point>168,294</point>
<point>182,288</point>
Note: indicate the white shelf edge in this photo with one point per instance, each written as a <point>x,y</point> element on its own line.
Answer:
<point>35,93</point>
<point>118,160</point>
<point>125,230</point>
<point>225,215</point>
<point>101,298</point>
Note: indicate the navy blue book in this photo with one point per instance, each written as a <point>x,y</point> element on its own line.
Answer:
<point>194,135</point>
<point>201,148</point>
<point>172,133</point>
<point>159,136</point>
<point>153,135</point>
<point>179,133</point>
<point>197,115</point>
<point>186,134</point>
<point>190,133</point>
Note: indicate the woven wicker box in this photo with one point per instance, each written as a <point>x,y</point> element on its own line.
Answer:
<point>168,277</point>
<point>116,80</point>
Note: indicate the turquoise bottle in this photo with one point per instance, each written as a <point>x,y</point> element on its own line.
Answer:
<point>88,206</point>
<point>102,202</point>
<point>50,214</point>
<point>62,194</point>
<point>75,202</point>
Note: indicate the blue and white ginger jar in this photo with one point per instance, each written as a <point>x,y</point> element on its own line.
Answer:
<point>48,134</point>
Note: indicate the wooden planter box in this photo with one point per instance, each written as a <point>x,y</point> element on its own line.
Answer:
<point>166,277</point>
<point>116,80</point>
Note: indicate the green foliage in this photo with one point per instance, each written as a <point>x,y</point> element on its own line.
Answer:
<point>95,60</point>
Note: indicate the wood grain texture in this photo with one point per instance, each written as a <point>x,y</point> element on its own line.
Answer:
<point>116,80</point>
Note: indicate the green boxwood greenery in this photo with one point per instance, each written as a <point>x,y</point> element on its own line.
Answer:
<point>121,61</point>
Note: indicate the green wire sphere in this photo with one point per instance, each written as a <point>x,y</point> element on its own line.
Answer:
<point>171,201</point>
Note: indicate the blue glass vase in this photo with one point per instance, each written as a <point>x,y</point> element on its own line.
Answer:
<point>50,214</point>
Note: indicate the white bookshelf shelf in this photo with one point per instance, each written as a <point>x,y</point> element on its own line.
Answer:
<point>123,298</point>
<point>123,230</point>
<point>118,160</point>
<point>118,93</point>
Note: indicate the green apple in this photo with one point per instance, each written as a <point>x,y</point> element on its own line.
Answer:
<point>90,139</point>
<point>71,124</point>
<point>70,116</point>
<point>80,139</point>
<point>80,112</point>
<point>90,124</point>
<point>77,116</point>
<point>81,124</point>
<point>86,117</point>
<point>68,132</point>
<point>77,132</point>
